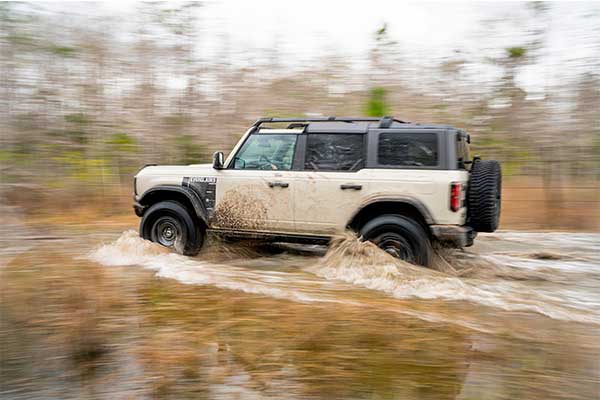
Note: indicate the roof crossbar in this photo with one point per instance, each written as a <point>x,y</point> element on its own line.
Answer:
<point>384,122</point>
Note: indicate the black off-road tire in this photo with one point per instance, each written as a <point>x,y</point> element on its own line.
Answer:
<point>400,236</point>
<point>171,224</point>
<point>484,196</point>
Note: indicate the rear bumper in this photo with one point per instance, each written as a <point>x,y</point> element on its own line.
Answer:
<point>453,235</point>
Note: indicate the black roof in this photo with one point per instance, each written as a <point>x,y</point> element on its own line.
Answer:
<point>348,124</point>
<point>363,127</point>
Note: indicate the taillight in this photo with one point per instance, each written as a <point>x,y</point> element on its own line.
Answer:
<point>455,196</point>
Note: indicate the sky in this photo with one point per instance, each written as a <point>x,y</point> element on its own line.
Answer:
<point>428,33</point>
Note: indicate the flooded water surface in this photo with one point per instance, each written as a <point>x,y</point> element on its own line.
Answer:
<point>90,314</point>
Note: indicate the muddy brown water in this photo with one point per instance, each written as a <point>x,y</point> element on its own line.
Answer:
<point>97,313</point>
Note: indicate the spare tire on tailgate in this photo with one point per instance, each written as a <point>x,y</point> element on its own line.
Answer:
<point>483,196</point>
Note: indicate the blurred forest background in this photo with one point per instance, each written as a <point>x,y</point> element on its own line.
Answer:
<point>88,99</point>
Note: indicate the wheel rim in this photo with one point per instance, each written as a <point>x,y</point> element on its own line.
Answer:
<point>396,246</point>
<point>166,231</point>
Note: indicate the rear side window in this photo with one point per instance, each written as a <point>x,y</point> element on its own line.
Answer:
<point>407,149</point>
<point>335,152</point>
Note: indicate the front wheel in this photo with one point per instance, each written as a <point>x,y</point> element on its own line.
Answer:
<point>170,224</point>
<point>399,236</point>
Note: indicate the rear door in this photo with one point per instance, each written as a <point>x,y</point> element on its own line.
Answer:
<point>255,192</point>
<point>331,183</point>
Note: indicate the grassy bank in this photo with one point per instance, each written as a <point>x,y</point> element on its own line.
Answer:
<point>528,204</point>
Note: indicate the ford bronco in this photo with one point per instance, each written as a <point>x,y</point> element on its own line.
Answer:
<point>403,186</point>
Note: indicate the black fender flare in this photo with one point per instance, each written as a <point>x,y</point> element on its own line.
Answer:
<point>192,196</point>
<point>418,205</point>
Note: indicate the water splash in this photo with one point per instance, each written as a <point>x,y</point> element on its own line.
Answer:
<point>348,261</point>
<point>130,249</point>
<point>362,263</point>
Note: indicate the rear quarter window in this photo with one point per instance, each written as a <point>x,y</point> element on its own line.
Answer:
<point>408,149</point>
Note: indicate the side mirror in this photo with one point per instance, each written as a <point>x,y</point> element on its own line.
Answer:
<point>218,160</point>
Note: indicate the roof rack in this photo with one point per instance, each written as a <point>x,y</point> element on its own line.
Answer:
<point>384,122</point>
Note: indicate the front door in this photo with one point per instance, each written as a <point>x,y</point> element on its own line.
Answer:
<point>256,192</point>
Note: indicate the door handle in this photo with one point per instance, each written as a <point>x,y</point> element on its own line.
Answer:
<point>280,184</point>
<point>350,186</point>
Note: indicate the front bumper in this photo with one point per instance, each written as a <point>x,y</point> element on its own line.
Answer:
<point>453,235</point>
<point>138,208</point>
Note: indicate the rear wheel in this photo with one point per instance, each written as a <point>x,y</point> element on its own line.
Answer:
<point>399,236</point>
<point>170,224</point>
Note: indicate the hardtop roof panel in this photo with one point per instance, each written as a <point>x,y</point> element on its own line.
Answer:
<point>364,127</point>
<point>339,127</point>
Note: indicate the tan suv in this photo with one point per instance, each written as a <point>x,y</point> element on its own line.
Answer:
<point>400,185</point>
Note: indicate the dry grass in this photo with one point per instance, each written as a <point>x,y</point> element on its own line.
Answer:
<point>94,215</point>
<point>90,207</point>
<point>526,205</point>
<point>63,310</point>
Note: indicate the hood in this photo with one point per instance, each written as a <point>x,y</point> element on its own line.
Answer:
<point>193,169</point>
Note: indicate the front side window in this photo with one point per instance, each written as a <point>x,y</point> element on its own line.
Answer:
<point>334,152</point>
<point>268,152</point>
<point>407,149</point>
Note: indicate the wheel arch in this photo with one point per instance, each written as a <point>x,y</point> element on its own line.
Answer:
<point>391,205</point>
<point>183,195</point>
